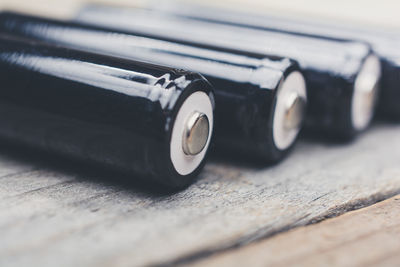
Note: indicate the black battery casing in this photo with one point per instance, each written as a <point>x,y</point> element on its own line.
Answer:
<point>93,108</point>
<point>245,84</point>
<point>330,67</point>
<point>385,42</point>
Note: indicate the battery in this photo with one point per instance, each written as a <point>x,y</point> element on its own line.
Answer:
<point>261,102</point>
<point>385,42</point>
<point>148,121</point>
<point>342,77</point>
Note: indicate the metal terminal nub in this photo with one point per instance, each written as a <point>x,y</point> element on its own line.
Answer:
<point>295,111</point>
<point>196,133</point>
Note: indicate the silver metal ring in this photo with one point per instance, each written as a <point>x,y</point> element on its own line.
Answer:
<point>195,114</point>
<point>289,110</point>
<point>365,94</point>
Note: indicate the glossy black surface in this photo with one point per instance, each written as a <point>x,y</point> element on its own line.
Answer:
<point>330,67</point>
<point>97,109</point>
<point>245,84</point>
<point>385,42</point>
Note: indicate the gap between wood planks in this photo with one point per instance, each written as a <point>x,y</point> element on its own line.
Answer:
<point>230,206</point>
<point>366,237</point>
<point>207,256</point>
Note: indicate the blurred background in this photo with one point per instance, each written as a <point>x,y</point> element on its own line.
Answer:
<point>288,202</point>
<point>383,13</point>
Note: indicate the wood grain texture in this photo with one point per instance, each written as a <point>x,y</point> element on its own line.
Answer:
<point>57,216</point>
<point>366,237</point>
<point>53,214</point>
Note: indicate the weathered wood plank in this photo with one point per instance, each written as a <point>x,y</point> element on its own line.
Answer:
<point>50,216</point>
<point>366,237</point>
<point>56,217</point>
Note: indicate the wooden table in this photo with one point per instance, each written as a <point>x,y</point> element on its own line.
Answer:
<point>54,213</point>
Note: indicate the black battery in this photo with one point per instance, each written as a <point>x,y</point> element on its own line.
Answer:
<point>385,42</point>
<point>342,77</point>
<point>125,115</point>
<point>260,101</point>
